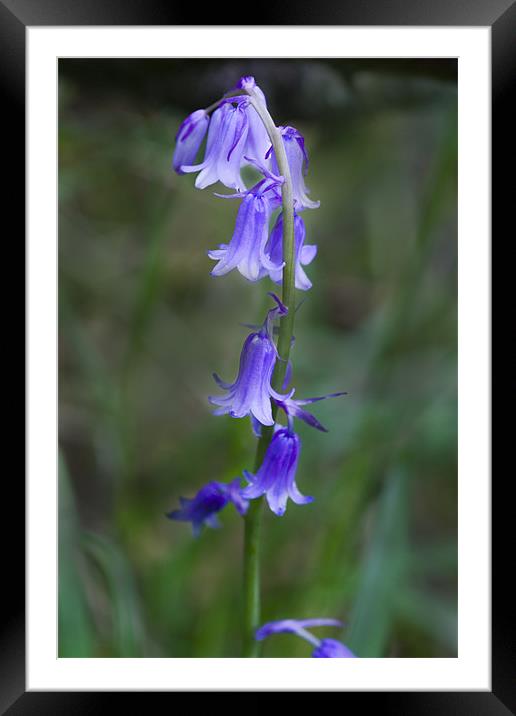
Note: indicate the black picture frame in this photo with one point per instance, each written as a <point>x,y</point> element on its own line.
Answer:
<point>500,15</point>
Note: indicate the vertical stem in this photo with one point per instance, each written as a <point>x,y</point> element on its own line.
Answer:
<point>252,532</point>
<point>252,528</point>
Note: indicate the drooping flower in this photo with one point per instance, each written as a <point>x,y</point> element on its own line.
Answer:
<point>325,648</point>
<point>246,250</point>
<point>225,147</point>
<point>189,139</point>
<point>211,499</point>
<point>276,477</point>
<point>303,255</point>
<point>297,158</point>
<point>251,392</point>
<point>258,141</point>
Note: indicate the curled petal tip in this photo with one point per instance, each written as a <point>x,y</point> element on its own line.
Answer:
<point>283,310</point>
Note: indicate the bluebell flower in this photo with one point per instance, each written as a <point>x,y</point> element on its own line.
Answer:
<point>276,477</point>
<point>303,255</point>
<point>246,250</point>
<point>258,141</point>
<point>297,158</point>
<point>225,147</point>
<point>189,139</point>
<point>251,392</point>
<point>211,499</point>
<point>325,648</point>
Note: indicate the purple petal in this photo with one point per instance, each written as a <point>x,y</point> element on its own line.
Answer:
<point>276,178</point>
<point>306,401</point>
<point>282,310</point>
<point>292,626</point>
<point>297,497</point>
<point>292,408</point>
<point>234,493</point>
<point>308,254</point>
<point>221,383</point>
<point>306,417</point>
<point>288,375</point>
<point>332,649</point>
<point>256,427</point>
<point>254,489</point>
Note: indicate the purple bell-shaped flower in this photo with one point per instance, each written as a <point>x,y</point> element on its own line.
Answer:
<point>189,139</point>
<point>225,148</point>
<point>303,255</point>
<point>211,499</point>
<point>297,158</point>
<point>247,249</point>
<point>258,141</point>
<point>276,477</point>
<point>251,392</point>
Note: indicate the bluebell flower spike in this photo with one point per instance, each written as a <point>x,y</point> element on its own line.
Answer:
<point>236,136</point>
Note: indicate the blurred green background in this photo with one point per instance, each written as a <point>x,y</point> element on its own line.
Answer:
<point>142,325</point>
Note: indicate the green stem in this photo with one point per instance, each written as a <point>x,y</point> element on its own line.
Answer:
<point>253,519</point>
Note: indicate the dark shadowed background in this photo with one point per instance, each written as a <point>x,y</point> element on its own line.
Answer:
<point>142,325</point>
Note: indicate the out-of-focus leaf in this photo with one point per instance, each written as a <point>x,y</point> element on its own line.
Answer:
<point>382,574</point>
<point>151,274</point>
<point>438,559</point>
<point>125,616</point>
<point>436,618</point>
<point>76,635</point>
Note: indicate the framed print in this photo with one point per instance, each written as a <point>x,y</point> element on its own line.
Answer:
<point>303,211</point>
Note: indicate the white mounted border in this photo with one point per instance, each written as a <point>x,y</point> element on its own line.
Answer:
<point>471,670</point>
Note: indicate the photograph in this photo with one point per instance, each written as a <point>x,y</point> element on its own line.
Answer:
<point>257,357</point>
<point>260,358</point>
